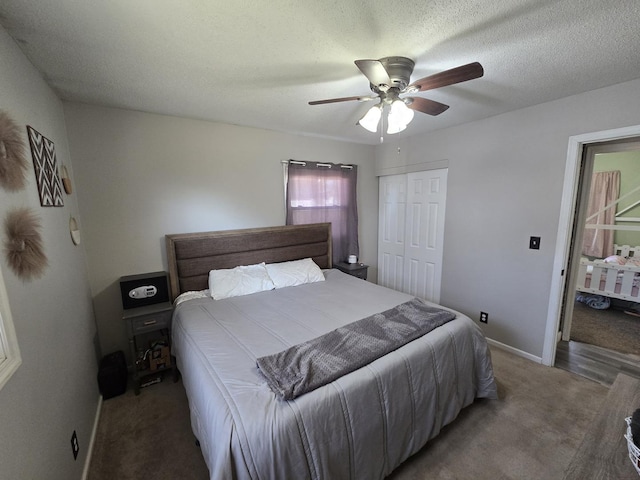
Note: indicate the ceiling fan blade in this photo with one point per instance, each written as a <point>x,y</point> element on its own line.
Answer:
<point>424,105</point>
<point>343,99</point>
<point>448,77</point>
<point>375,72</point>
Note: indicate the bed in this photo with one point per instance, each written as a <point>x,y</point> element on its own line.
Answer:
<point>614,277</point>
<point>362,425</point>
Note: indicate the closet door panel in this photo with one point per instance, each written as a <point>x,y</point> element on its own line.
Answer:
<point>392,228</point>
<point>423,254</point>
<point>411,232</point>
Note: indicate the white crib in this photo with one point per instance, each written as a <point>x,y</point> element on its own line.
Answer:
<point>609,279</point>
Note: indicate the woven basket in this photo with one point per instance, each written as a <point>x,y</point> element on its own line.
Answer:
<point>634,452</point>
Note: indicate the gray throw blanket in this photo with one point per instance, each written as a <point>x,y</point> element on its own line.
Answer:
<point>309,365</point>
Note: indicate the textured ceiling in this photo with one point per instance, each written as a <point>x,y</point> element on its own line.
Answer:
<point>257,63</point>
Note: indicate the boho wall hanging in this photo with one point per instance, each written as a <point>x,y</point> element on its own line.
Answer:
<point>13,165</point>
<point>23,245</point>
<point>46,169</point>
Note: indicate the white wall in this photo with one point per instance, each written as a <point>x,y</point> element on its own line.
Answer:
<point>505,185</point>
<point>55,390</point>
<point>141,176</point>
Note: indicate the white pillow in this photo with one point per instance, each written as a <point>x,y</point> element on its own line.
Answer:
<point>296,272</point>
<point>242,280</point>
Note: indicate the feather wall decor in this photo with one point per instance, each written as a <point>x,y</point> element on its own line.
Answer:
<point>23,244</point>
<point>13,166</point>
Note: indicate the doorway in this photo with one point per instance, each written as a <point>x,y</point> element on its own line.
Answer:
<point>588,154</point>
<point>611,193</point>
<point>600,330</point>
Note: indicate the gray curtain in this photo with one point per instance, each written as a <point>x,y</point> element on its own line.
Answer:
<point>325,192</point>
<point>605,189</point>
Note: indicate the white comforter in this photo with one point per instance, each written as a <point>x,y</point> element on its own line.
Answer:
<point>361,426</point>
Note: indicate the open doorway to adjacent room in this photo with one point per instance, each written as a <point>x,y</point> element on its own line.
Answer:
<point>600,319</point>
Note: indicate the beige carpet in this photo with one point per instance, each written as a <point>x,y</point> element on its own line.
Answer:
<point>147,437</point>
<point>531,432</point>
<point>610,328</point>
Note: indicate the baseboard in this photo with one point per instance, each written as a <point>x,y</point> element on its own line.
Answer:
<point>515,351</point>
<point>87,461</point>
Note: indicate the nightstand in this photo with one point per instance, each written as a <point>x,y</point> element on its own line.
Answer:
<point>356,269</point>
<point>148,326</point>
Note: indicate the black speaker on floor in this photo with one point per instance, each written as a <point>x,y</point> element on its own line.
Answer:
<point>112,375</point>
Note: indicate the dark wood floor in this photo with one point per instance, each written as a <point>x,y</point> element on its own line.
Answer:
<point>596,363</point>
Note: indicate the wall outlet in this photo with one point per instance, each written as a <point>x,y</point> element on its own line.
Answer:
<point>75,448</point>
<point>484,317</point>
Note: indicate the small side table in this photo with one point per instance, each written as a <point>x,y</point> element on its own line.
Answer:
<point>356,269</point>
<point>151,322</point>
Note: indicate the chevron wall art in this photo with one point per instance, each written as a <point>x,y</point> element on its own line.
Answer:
<point>46,169</point>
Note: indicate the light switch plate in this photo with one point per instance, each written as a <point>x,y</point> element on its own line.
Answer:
<point>534,243</point>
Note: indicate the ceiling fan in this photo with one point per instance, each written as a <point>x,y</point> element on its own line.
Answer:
<point>389,78</point>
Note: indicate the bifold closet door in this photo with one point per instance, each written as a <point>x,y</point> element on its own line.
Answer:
<point>392,208</point>
<point>411,232</point>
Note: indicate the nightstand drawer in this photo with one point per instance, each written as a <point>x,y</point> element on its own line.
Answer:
<point>151,322</point>
<point>149,329</point>
<point>358,270</point>
<point>362,273</point>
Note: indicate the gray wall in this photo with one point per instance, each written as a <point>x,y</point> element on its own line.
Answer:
<point>141,176</point>
<point>505,184</point>
<point>54,391</point>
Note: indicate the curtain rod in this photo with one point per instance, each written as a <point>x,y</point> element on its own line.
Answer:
<point>328,165</point>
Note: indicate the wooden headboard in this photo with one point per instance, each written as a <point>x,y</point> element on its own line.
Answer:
<point>192,255</point>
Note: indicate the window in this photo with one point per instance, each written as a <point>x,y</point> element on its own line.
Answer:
<point>9,352</point>
<point>325,192</point>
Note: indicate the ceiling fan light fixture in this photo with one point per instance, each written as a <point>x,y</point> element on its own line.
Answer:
<point>371,119</point>
<point>399,117</point>
<point>395,128</point>
<point>389,78</point>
